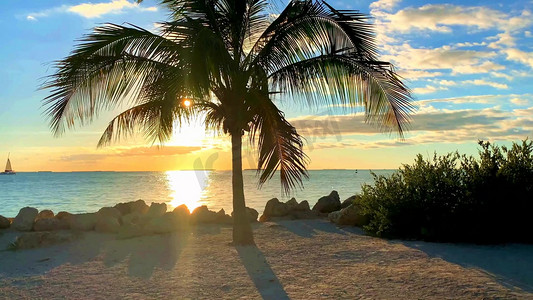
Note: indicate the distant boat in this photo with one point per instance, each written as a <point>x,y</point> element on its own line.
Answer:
<point>9,170</point>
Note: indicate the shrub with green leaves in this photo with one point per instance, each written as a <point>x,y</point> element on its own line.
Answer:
<point>456,197</point>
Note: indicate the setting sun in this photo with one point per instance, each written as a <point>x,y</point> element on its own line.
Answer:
<point>187,102</point>
<point>187,187</point>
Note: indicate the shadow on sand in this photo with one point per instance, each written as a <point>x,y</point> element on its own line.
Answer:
<point>308,228</point>
<point>259,270</point>
<point>511,265</point>
<point>143,255</point>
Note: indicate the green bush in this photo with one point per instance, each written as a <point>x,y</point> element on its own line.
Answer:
<point>456,197</point>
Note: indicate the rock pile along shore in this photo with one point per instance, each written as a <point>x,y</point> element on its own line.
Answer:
<point>136,218</point>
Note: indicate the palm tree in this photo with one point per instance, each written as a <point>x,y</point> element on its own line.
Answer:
<point>233,60</point>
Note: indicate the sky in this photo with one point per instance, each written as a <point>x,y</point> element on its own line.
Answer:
<point>468,63</point>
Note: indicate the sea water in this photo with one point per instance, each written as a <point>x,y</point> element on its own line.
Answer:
<point>79,192</point>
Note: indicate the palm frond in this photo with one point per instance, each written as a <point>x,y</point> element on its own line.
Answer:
<point>279,144</point>
<point>346,80</point>
<point>108,66</point>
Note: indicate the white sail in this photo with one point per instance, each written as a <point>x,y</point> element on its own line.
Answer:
<point>8,166</point>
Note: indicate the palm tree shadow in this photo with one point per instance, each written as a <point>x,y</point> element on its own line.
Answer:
<point>157,251</point>
<point>262,275</point>
<point>307,228</point>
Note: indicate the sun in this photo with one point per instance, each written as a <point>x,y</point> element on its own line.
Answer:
<point>187,102</point>
<point>187,187</point>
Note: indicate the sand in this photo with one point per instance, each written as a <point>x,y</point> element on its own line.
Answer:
<point>309,259</point>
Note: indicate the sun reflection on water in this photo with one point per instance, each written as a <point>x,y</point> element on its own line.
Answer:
<point>187,187</point>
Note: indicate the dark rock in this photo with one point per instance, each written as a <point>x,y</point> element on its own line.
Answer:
<point>302,206</point>
<point>306,214</point>
<point>25,218</point>
<point>131,207</point>
<point>348,201</point>
<point>107,224</point>
<point>45,214</point>
<point>156,210</point>
<point>328,203</point>
<point>292,204</point>
<point>30,240</point>
<point>350,215</point>
<point>50,224</point>
<point>4,222</point>
<point>109,212</point>
<point>63,215</point>
<point>252,214</point>
<point>222,218</point>
<point>182,211</point>
<point>274,208</point>
<point>83,222</point>
<point>203,215</point>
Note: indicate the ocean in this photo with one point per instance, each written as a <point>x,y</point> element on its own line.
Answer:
<point>79,192</point>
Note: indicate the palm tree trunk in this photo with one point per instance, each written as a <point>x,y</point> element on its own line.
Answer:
<point>242,231</point>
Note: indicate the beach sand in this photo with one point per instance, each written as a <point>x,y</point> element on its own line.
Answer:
<point>302,259</point>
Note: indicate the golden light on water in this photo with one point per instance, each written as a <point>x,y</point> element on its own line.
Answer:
<point>186,187</point>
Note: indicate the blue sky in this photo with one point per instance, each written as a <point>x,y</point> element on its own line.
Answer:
<point>469,64</point>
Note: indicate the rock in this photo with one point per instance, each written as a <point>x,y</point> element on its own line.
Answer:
<point>328,203</point>
<point>203,215</point>
<point>63,215</point>
<point>350,215</point>
<point>302,206</point>
<point>83,222</point>
<point>30,240</point>
<point>4,222</point>
<point>168,222</point>
<point>182,211</point>
<point>222,218</point>
<point>107,224</point>
<point>274,208</point>
<point>50,224</point>
<point>133,206</point>
<point>292,204</point>
<point>305,214</point>
<point>252,214</point>
<point>109,212</point>
<point>156,210</point>
<point>45,214</point>
<point>130,230</point>
<point>133,218</point>
<point>348,201</point>
<point>25,218</point>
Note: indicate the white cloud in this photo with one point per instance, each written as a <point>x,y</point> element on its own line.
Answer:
<point>501,75</point>
<point>384,4</point>
<point>96,10</point>
<point>428,89</point>
<point>484,67</point>
<point>441,18</point>
<point>504,39</point>
<point>519,56</point>
<point>446,57</point>
<point>519,101</point>
<point>93,10</point>
<point>417,74</point>
<point>487,83</point>
<point>447,82</point>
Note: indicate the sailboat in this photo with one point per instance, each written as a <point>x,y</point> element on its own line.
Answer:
<point>9,169</point>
